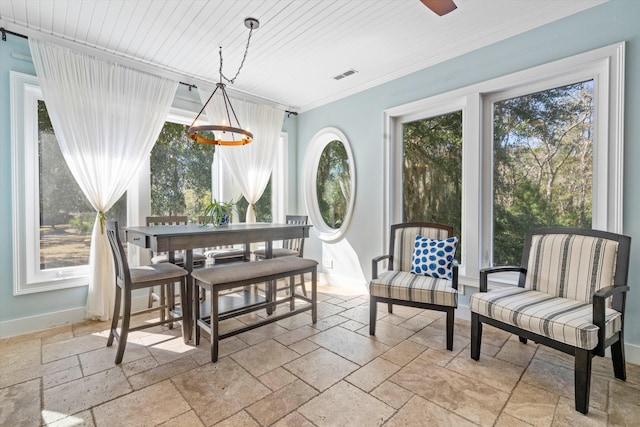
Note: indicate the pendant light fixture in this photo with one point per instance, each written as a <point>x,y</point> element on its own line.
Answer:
<point>229,132</point>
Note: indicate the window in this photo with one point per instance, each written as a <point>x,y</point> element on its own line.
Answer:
<point>53,220</point>
<point>432,170</point>
<point>542,165</point>
<point>541,147</point>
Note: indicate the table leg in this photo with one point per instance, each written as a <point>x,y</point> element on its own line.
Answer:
<point>187,318</point>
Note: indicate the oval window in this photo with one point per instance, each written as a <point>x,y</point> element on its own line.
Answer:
<point>329,183</point>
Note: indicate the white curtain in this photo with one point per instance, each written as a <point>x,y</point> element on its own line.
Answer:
<point>250,164</point>
<point>106,118</point>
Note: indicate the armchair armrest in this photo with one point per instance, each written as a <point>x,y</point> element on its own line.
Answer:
<point>599,299</point>
<point>454,274</point>
<point>484,273</point>
<point>374,264</point>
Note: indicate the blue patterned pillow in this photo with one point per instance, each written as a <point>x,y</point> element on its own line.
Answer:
<point>433,257</point>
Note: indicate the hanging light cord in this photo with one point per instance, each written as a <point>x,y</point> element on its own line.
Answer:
<point>246,50</point>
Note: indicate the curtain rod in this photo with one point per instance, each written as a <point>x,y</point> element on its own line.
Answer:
<point>192,86</point>
<point>5,32</point>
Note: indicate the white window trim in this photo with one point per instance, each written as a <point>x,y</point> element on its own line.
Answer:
<point>604,65</point>
<point>27,276</point>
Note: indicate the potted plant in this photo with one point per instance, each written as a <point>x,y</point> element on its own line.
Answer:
<point>218,213</point>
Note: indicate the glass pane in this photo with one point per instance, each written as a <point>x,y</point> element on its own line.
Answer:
<point>333,184</point>
<point>66,216</point>
<point>180,173</point>
<point>263,206</point>
<point>542,165</point>
<point>432,171</point>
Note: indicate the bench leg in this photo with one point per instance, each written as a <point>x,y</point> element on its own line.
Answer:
<point>214,324</point>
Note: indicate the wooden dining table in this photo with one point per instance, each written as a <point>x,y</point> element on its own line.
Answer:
<point>171,238</point>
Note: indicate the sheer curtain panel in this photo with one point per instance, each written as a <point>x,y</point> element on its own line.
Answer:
<point>250,164</point>
<point>106,118</point>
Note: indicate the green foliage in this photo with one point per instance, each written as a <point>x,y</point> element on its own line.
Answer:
<point>542,175</point>
<point>83,222</point>
<point>262,206</point>
<point>180,173</point>
<point>215,212</point>
<point>333,184</point>
<point>432,172</point>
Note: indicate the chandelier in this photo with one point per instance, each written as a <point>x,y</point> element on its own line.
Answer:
<point>229,132</point>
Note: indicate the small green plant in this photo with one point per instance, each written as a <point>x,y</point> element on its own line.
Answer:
<point>218,213</point>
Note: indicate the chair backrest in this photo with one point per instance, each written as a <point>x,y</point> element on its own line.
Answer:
<point>295,244</point>
<point>403,239</point>
<point>574,263</point>
<point>123,277</point>
<point>167,220</point>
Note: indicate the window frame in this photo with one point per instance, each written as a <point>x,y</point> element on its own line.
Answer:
<point>604,65</point>
<point>28,278</point>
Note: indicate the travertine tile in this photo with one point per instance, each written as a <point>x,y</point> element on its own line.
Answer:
<point>359,313</point>
<point>218,390</point>
<point>188,419</point>
<point>294,419</point>
<point>516,352</point>
<point>149,406</point>
<point>264,357</point>
<point>325,323</point>
<point>494,372</point>
<point>20,404</point>
<point>372,374</point>
<point>84,393</point>
<point>624,403</point>
<point>83,418</point>
<point>421,412</point>
<point>295,322</point>
<point>103,358</point>
<point>567,416</point>
<point>350,345</point>
<point>352,325</point>
<point>61,377</point>
<point>505,420</point>
<point>387,333</point>
<point>532,405</point>
<point>321,368</point>
<point>392,394</point>
<point>303,346</point>
<point>349,405</point>
<point>262,333</point>
<point>241,419</point>
<point>162,372</point>
<point>403,353</point>
<point>282,402</point>
<point>73,346</point>
<point>466,397</point>
<point>296,335</point>
<point>435,337</point>
<point>19,355</point>
<point>277,378</point>
<point>139,365</point>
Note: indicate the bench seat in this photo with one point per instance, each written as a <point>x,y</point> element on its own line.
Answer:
<point>230,276</point>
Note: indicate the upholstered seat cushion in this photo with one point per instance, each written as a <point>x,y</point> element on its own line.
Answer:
<point>277,252</point>
<point>222,253</point>
<point>561,319</point>
<point>405,286</point>
<point>154,272</point>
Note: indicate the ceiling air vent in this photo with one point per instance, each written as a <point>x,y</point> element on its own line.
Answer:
<point>345,74</point>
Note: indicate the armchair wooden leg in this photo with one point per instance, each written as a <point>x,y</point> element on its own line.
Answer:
<point>450,323</point>
<point>582,379</point>
<point>617,357</point>
<point>373,309</point>
<point>476,336</point>
<point>523,340</point>
<point>390,308</point>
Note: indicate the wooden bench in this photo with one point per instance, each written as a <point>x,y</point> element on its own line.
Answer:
<point>231,276</point>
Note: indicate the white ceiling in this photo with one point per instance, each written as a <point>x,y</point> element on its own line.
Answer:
<point>300,45</point>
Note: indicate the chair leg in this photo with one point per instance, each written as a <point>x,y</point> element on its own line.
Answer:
<point>150,302</point>
<point>450,323</point>
<point>617,357</point>
<point>582,379</point>
<point>476,336</point>
<point>304,288</point>
<point>163,302</point>
<point>523,340</point>
<point>373,309</point>
<point>124,330</point>
<point>390,308</point>
<point>116,316</point>
<point>171,303</point>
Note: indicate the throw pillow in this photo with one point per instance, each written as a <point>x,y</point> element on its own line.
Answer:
<point>433,257</point>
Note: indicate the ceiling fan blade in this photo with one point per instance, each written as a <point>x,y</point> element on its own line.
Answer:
<point>440,7</point>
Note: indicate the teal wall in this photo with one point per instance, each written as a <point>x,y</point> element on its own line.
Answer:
<point>360,117</point>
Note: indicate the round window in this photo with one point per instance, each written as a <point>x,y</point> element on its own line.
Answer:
<point>329,187</point>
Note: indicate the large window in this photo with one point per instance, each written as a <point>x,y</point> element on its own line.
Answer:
<point>432,170</point>
<point>542,165</point>
<point>53,220</point>
<point>538,148</point>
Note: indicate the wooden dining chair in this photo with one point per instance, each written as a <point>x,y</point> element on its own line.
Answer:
<point>130,279</point>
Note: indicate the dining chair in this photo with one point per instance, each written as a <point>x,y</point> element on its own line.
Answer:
<point>290,247</point>
<point>130,279</point>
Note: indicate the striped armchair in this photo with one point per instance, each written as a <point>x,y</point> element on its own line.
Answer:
<point>399,286</point>
<point>570,296</point>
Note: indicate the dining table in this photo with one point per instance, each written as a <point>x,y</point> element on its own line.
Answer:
<point>171,238</point>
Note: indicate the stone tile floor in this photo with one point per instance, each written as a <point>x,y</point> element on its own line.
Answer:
<point>293,373</point>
